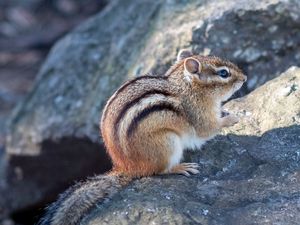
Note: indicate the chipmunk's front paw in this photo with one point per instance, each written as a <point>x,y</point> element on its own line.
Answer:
<point>230,120</point>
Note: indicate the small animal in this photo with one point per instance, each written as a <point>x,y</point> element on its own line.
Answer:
<point>148,123</point>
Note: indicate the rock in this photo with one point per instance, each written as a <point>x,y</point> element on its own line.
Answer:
<point>265,39</point>
<point>282,91</point>
<point>53,135</point>
<point>250,174</point>
<point>262,37</point>
<point>3,184</point>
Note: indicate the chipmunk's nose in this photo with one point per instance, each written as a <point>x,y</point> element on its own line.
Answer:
<point>244,79</point>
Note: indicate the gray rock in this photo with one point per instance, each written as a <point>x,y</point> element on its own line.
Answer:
<point>250,174</point>
<point>3,184</point>
<point>264,41</point>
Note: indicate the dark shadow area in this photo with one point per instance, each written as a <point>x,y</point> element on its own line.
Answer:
<point>29,216</point>
<point>36,181</point>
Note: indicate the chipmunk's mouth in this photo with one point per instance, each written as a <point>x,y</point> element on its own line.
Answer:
<point>236,86</point>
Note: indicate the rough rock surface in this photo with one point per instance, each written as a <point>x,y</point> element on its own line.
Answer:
<point>249,175</point>
<point>54,136</point>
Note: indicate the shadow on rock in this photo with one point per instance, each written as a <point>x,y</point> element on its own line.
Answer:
<point>34,180</point>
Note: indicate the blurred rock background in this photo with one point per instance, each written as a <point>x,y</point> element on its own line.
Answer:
<point>53,136</point>
<point>28,29</point>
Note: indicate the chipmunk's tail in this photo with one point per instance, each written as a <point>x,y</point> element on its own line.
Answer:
<point>74,203</point>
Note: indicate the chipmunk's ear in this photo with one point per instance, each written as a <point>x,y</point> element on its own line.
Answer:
<point>184,53</point>
<point>192,65</point>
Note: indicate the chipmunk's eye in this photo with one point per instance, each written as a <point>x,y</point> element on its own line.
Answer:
<point>223,72</point>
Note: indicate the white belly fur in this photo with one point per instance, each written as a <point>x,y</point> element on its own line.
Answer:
<point>192,141</point>
<point>180,143</point>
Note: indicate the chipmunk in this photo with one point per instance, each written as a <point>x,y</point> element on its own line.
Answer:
<point>148,123</point>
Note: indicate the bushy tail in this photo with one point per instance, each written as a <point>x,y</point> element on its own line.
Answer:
<point>74,203</point>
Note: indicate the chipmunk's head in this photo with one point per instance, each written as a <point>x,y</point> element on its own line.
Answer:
<point>223,77</point>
